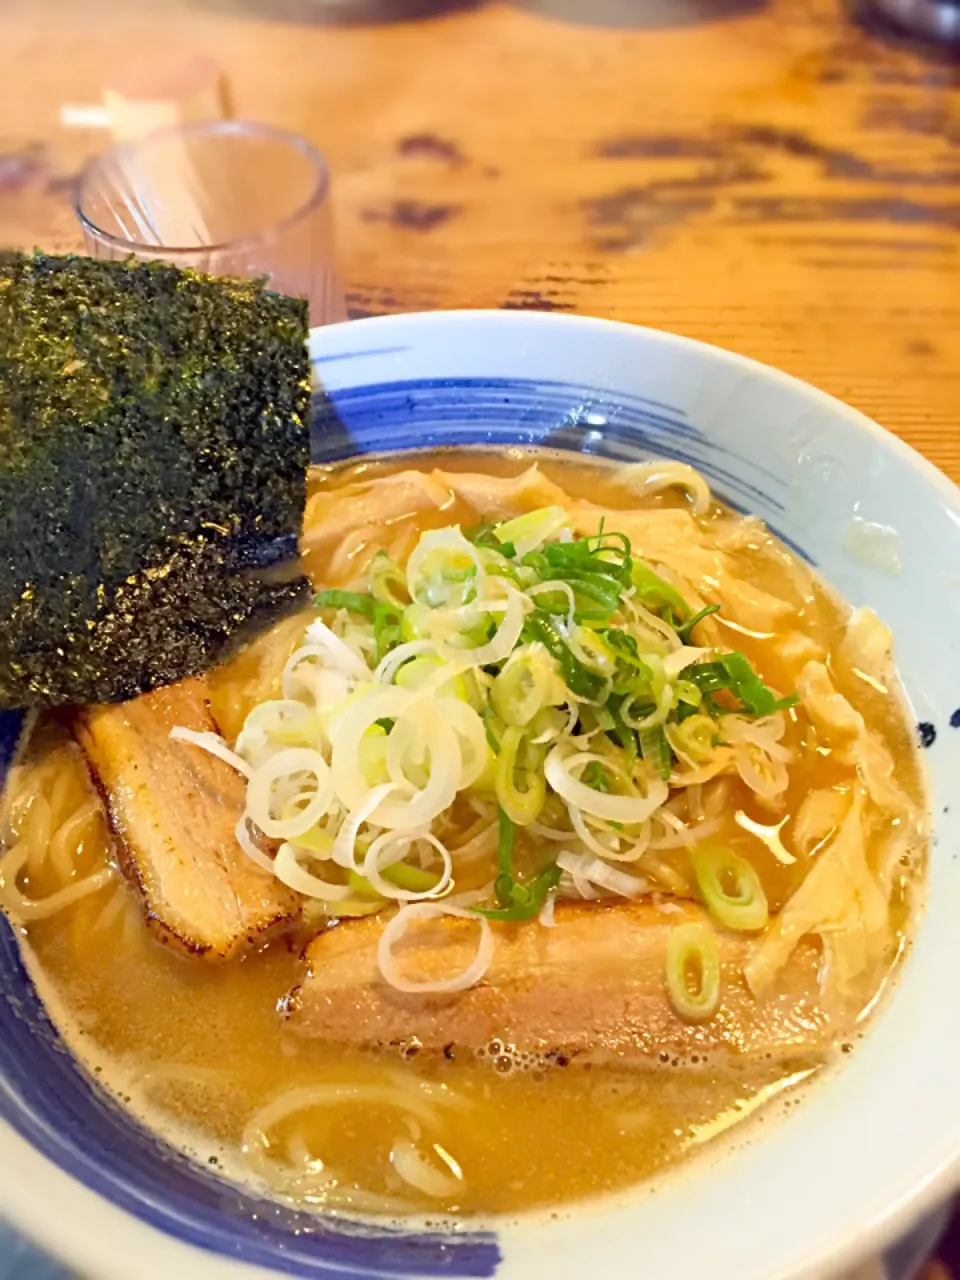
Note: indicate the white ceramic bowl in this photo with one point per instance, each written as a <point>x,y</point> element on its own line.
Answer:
<point>868,1150</point>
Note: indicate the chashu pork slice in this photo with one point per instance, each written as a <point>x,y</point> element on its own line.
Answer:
<point>173,808</point>
<point>591,988</point>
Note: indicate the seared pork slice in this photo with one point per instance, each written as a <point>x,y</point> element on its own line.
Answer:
<point>591,988</point>
<point>173,808</point>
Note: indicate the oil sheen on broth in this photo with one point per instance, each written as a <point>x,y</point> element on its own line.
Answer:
<point>199,1047</point>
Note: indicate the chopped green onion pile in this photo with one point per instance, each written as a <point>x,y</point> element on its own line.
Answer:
<point>520,694</point>
<point>595,652</point>
<point>556,685</point>
<point>604,658</point>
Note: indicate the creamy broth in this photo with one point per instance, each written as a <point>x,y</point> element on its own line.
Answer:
<point>199,1047</point>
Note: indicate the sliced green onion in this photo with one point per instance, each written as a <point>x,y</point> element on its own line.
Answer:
<point>316,909</point>
<point>693,971</point>
<point>537,563</point>
<point>657,594</point>
<point>388,582</point>
<point>418,671</point>
<point>694,738</point>
<point>519,780</point>
<point>453,574</point>
<point>316,841</point>
<point>639,709</point>
<point>413,879</point>
<point>351,600</point>
<point>486,779</point>
<point>549,723</point>
<point>556,603</point>
<point>492,727</point>
<point>526,685</point>
<point>446,577</point>
<point>414,623</point>
<point>481,535</point>
<point>599,718</point>
<point>649,694</point>
<point>600,568</point>
<point>528,531</point>
<point>685,710</point>
<point>733,671</point>
<point>601,594</point>
<point>601,657</point>
<point>757,699</point>
<point>730,888</point>
<point>527,899</point>
<point>634,674</point>
<point>517,901</point>
<point>479,634</point>
<point>495,562</point>
<point>387,623</point>
<point>372,755</point>
<point>655,750</point>
<point>687,692</point>
<point>506,842</point>
<point>595,776</point>
<point>578,678</point>
<point>709,677</point>
<point>620,554</point>
<point>611,720</point>
<point>707,611</point>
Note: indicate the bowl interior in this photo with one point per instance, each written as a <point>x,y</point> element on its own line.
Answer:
<point>826,1181</point>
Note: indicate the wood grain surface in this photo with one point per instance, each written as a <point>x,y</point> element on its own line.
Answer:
<point>780,178</point>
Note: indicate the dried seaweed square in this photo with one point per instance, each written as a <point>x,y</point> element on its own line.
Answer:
<point>154,440</point>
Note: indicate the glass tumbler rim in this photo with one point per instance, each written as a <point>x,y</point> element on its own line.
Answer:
<point>252,128</point>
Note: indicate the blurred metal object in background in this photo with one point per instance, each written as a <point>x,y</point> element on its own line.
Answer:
<point>641,14</point>
<point>935,19</point>
<point>337,13</point>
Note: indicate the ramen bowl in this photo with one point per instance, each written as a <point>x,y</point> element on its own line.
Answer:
<point>877,1141</point>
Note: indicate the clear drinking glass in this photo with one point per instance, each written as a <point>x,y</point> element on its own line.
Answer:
<point>226,197</point>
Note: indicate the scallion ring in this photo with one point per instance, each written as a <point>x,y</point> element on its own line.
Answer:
<point>519,780</point>
<point>730,888</point>
<point>693,971</point>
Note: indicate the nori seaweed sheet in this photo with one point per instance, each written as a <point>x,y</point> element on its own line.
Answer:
<point>154,439</point>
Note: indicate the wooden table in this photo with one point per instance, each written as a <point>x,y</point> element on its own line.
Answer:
<point>773,177</point>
